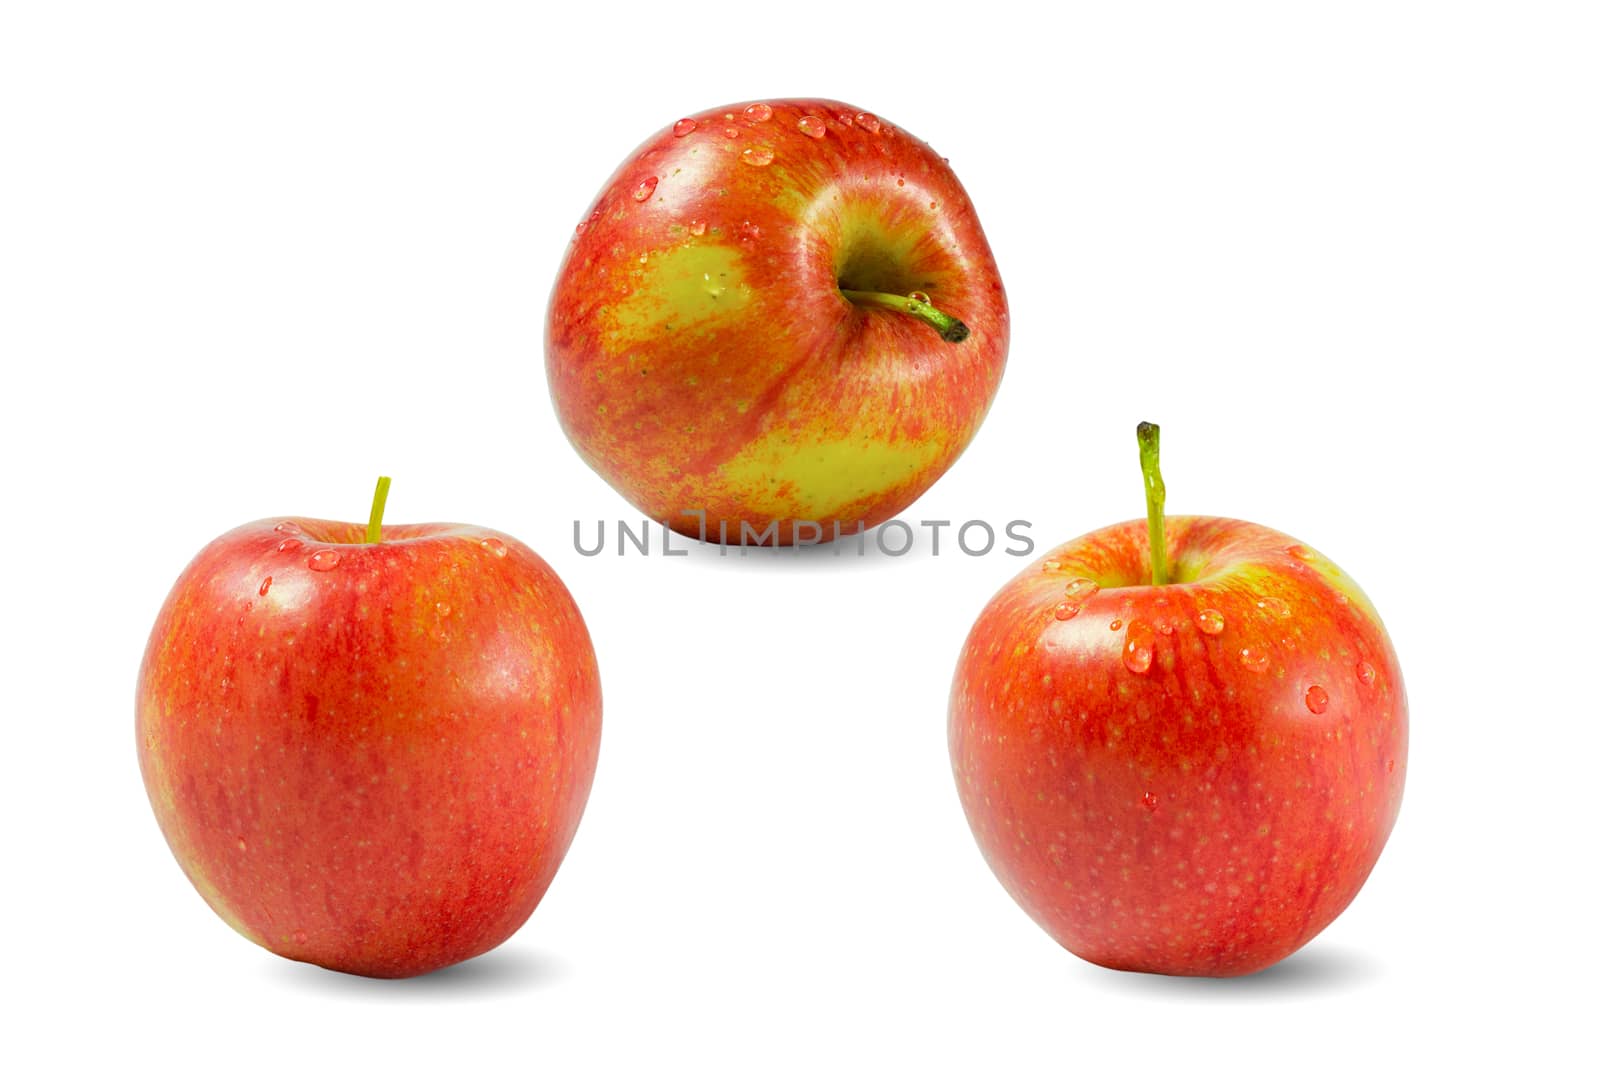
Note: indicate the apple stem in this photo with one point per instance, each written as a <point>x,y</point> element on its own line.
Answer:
<point>950,328</point>
<point>380,497</point>
<point>1155,499</point>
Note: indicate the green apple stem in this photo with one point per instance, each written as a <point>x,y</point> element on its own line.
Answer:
<point>949,328</point>
<point>1155,499</point>
<point>380,497</point>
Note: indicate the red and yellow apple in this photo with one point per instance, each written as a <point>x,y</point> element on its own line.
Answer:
<point>369,747</point>
<point>776,312</point>
<point>1192,771</point>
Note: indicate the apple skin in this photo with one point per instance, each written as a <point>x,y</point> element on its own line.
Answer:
<point>377,767</point>
<point>1214,812</point>
<point>702,357</point>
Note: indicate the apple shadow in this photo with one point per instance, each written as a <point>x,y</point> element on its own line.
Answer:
<point>843,553</point>
<point>501,970</point>
<point>1314,970</point>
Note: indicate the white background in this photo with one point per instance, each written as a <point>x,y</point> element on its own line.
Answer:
<point>251,257</point>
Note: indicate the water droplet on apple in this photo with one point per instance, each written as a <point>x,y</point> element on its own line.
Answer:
<point>442,608</point>
<point>1273,606</point>
<point>1116,624</point>
<point>266,584</point>
<point>495,545</point>
<point>1066,610</point>
<point>758,112</point>
<point>730,132</point>
<point>1050,565</point>
<point>1211,621</point>
<point>300,937</point>
<point>1138,649</point>
<point>1164,626</point>
<point>900,183</point>
<point>919,296</point>
<point>288,543</point>
<point>242,846</point>
<point>757,157</point>
<point>1082,588</point>
<point>1316,700</point>
<point>845,119</point>
<point>868,121</point>
<point>1391,767</point>
<point>1301,552</point>
<point>1366,673</point>
<point>697,228</point>
<point>749,231</point>
<point>646,189</point>
<point>1150,800</point>
<point>287,528</point>
<point>812,126</point>
<point>683,127</point>
<point>325,560</point>
<point>1253,660</point>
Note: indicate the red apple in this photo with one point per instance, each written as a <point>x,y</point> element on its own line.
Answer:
<point>1189,773</point>
<point>369,748</point>
<point>776,316</point>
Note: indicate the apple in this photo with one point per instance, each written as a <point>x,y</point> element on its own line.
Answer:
<point>1185,767</point>
<point>779,321</point>
<point>369,748</point>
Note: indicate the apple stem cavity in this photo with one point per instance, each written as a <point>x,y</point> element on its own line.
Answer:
<point>1155,499</point>
<point>950,328</point>
<point>380,497</point>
